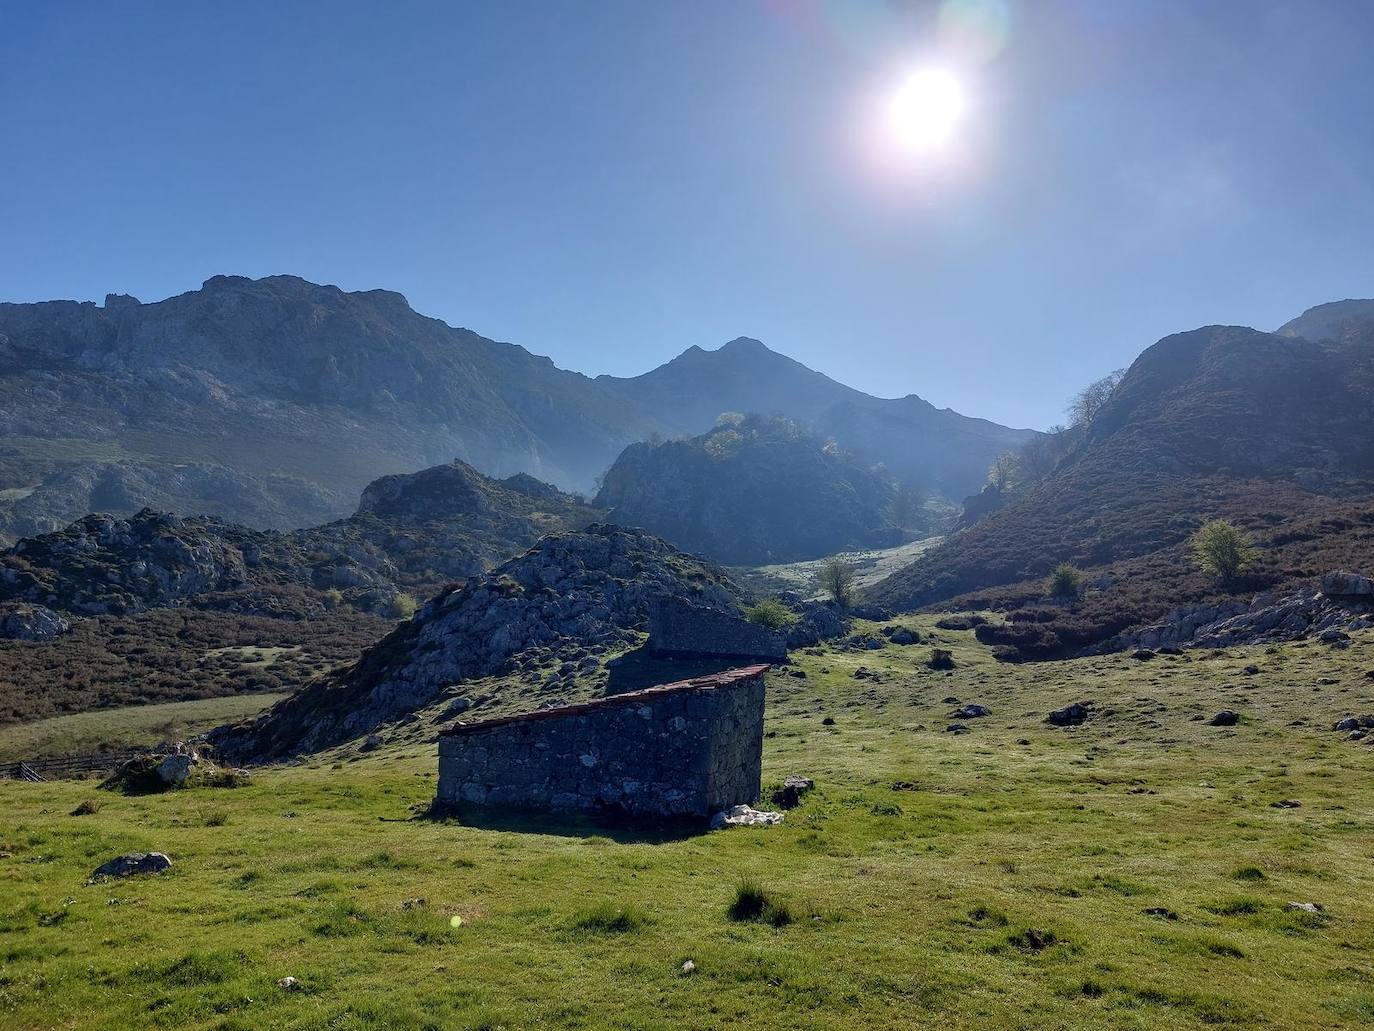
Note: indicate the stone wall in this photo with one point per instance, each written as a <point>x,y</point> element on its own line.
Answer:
<point>687,749</point>
<point>679,628</point>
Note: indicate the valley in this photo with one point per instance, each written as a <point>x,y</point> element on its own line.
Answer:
<point>1136,871</point>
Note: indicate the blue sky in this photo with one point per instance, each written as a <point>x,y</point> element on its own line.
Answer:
<point>611,182</point>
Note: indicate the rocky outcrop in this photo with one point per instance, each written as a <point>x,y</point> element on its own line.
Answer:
<point>752,491</point>
<point>1345,603</point>
<point>570,590</point>
<point>413,532</point>
<point>20,622</point>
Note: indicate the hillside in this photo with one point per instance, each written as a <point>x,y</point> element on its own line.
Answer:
<point>752,491</point>
<point>551,613</point>
<point>160,607</point>
<point>1274,432</point>
<point>273,402</point>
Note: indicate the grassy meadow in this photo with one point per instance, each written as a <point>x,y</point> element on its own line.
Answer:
<point>1134,872</point>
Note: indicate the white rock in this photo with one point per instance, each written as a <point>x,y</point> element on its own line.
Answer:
<point>289,984</point>
<point>174,769</point>
<point>744,816</point>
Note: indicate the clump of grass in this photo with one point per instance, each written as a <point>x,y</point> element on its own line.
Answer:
<point>754,904</point>
<point>216,818</point>
<point>340,920</point>
<point>984,916</point>
<point>1241,905</point>
<point>1249,873</point>
<point>86,808</point>
<point>200,968</point>
<point>607,918</point>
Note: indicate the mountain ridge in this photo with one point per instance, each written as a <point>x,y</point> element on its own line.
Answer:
<point>275,401</point>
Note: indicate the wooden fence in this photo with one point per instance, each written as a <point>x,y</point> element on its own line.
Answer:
<point>63,766</point>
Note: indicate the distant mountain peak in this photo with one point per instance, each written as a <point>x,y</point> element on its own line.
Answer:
<point>745,345</point>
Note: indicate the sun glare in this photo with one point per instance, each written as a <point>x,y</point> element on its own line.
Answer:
<point>926,109</point>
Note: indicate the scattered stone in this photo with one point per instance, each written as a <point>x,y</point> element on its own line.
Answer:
<point>744,816</point>
<point>1225,718</point>
<point>862,673</point>
<point>1142,654</point>
<point>957,728</point>
<point>829,721</point>
<point>175,768</point>
<point>902,635</point>
<point>1342,584</point>
<point>688,968</point>
<point>1163,912</point>
<point>1023,740</point>
<point>1251,671</point>
<point>371,743</point>
<point>1286,803</point>
<point>1306,907</point>
<point>289,984</point>
<point>789,796</point>
<point>1069,716</point>
<point>799,674</point>
<point>949,699</point>
<point>970,711</point>
<point>132,864</point>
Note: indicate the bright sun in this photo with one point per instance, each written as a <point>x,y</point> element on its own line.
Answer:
<point>926,109</point>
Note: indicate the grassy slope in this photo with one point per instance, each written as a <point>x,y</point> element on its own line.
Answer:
<point>911,902</point>
<point>131,727</point>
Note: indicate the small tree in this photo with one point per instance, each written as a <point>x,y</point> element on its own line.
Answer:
<point>1222,550</point>
<point>837,580</point>
<point>771,613</point>
<point>403,605</point>
<point>1065,581</point>
<point>1085,405</point>
<point>907,505</point>
<point>1006,471</point>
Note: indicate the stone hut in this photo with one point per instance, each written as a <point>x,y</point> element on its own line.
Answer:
<point>685,750</point>
<point>679,629</point>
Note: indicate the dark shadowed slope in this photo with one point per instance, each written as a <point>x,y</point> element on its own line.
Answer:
<point>752,491</point>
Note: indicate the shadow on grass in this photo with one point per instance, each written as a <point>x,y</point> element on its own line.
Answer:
<point>610,824</point>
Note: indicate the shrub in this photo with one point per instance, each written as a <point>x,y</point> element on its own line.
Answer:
<point>837,580</point>
<point>1222,550</point>
<point>1065,582</point>
<point>403,605</point>
<point>770,613</point>
<point>752,904</point>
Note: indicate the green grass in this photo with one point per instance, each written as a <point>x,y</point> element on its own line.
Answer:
<point>124,728</point>
<point>931,879</point>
